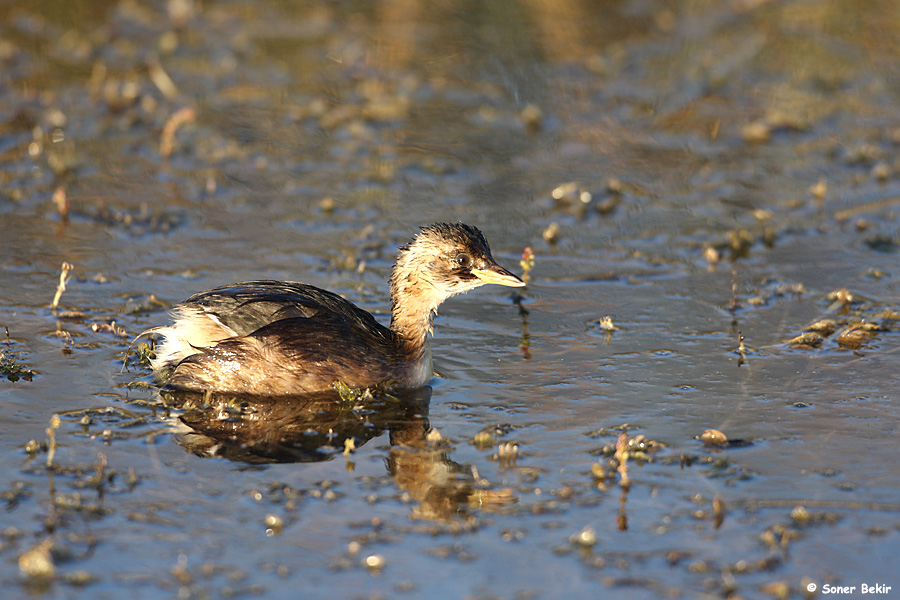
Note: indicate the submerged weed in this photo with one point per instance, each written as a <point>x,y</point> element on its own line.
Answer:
<point>61,286</point>
<point>9,363</point>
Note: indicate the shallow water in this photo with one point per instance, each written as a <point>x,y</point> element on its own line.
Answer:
<point>740,161</point>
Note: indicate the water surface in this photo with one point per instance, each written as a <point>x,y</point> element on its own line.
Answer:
<point>697,172</point>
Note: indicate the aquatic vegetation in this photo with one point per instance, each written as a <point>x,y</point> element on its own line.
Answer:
<point>637,448</point>
<point>11,366</point>
<point>179,118</point>
<point>850,331</point>
<point>527,264</point>
<point>61,286</point>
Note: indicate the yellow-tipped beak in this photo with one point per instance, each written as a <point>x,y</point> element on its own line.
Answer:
<point>497,275</point>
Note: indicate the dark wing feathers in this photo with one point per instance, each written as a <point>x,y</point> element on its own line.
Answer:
<point>249,306</point>
<point>330,338</point>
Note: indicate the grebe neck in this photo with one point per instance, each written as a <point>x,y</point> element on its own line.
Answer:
<point>414,301</point>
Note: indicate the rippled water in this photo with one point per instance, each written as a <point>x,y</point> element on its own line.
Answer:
<point>697,172</point>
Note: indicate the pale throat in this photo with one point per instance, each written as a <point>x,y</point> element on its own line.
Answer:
<point>413,306</point>
<point>414,302</point>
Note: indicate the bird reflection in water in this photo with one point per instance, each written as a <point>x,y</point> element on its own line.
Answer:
<point>311,428</point>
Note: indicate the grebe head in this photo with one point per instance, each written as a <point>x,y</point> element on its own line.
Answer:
<point>447,259</point>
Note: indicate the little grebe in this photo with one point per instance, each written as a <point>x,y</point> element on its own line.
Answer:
<point>278,337</point>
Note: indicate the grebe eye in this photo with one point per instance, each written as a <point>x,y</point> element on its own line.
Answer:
<point>463,260</point>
